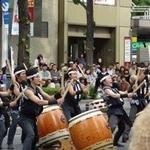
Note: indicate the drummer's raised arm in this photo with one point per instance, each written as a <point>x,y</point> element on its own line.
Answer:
<point>54,99</point>
<point>30,95</point>
<point>44,94</point>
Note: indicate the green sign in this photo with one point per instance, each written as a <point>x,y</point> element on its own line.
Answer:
<point>135,46</point>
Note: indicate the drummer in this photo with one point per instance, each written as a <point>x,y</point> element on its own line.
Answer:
<point>71,106</point>
<point>17,86</point>
<point>31,106</point>
<point>116,113</point>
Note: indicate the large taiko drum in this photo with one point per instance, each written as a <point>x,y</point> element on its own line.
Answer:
<point>61,143</point>
<point>90,131</point>
<point>52,123</point>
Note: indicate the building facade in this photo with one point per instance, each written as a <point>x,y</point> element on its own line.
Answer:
<point>60,31</point>
<point>112,26</point>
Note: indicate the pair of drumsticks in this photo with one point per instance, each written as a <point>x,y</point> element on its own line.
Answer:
<point>13,79</point>
<point>137,79</point>
<point>69,85</point>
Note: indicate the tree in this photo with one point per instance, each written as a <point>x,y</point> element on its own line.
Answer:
<point>90,28</point>
<point>24,33</point>
<point>141,2</point>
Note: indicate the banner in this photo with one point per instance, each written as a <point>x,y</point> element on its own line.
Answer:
<point>15,24</point>
<point>5,11</point>
<point>127,49</point>
<point>102,2</point>
<point>105,2</point>
<point>31,10</point>
<point>4,44</point>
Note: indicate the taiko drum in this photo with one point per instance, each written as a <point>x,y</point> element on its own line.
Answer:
<point>64,143</point>
<point>90,131</point>
<point>51,123</point>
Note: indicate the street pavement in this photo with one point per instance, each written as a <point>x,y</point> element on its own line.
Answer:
<point>17,141</point>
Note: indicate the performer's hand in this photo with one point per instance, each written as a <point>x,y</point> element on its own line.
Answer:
<point>130,95</point>
<point>57,95</point>
<point>1,103</point>
<point>62,90</point>
<point>13,103</point>
<point>60,101</point>
<point>134,95</point>
<point>134,86</point>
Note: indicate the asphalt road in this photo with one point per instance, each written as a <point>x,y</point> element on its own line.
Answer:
<point>17,141</point>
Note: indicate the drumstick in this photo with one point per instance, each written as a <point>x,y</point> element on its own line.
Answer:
<point>13,103</point>
<point>136,81</point>
<point>138,73</point>
<point>81,71</point>
<point>11,73</point>
<point>25,66</point>
<point>139,86</point>
<point>147,94</point>
<point>62,79</point>
<point>67,89</point>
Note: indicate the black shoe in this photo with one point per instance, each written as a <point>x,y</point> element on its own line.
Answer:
<point>118,145</point>
<point>125,139</point>
<point>10,146</point>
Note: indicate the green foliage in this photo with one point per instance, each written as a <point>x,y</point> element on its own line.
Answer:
<point>141,2</point>
<point>76,1</point>
<point>50,91</point>
<point>92,93</point>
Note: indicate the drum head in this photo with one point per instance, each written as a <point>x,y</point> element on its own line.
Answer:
<point>84,116</point>
<point>54,137</point>
<point>50,108</point>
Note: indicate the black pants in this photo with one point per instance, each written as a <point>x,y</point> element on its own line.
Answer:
<point>30,131</point>
<point>71,111</point>
<point>120,121</point>
<point>136,109</point>
<point>2,130</point>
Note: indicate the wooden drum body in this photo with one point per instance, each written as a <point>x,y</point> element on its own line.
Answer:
<point>90,131</point>
<point>61,143</point>
<point>51,124</point>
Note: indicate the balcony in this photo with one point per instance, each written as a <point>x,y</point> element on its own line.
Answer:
<point>140,19</point>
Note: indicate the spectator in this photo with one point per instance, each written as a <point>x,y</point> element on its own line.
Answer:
<point>90,78</point>
<point>55,75</point>
<point>81,60</point>
<point>133,69</point>
<point>44,73</point>
<point>111,70</point>
<point>39,61</point>
<point>122,69</point>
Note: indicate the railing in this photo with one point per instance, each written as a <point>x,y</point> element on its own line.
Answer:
<point>140,12</point>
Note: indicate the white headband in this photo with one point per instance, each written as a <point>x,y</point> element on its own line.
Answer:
<point>31,76</point>
<point>20,71</point>
<point>72,72</point>
<point>104,78</point>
